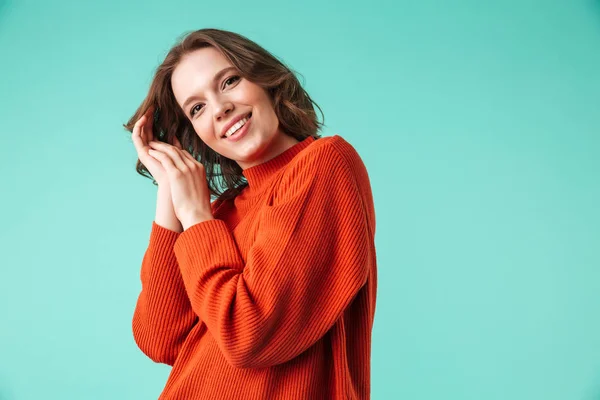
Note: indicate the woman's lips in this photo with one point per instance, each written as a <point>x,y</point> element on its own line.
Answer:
<point>240,133</point>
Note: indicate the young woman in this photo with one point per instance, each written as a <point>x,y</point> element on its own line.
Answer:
<point>268,291</point>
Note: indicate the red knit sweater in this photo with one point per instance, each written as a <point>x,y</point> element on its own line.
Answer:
<point>275,298</point>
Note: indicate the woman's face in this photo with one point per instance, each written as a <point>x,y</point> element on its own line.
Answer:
<point>211,94</point>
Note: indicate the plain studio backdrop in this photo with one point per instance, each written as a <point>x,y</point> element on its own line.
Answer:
<point>478,123</point>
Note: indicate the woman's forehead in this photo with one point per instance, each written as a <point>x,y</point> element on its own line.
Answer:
<point>198,72</point>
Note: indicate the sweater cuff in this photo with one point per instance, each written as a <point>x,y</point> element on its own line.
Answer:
<point>161,236</point>
<point>204,245</point>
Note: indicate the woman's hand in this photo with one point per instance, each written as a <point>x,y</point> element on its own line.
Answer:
<point>141,135</point>
<point>187,180</point>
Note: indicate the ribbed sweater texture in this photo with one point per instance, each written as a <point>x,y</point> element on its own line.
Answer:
<point>275,297</point>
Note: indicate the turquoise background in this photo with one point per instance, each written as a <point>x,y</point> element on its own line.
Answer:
<point>478,123</point>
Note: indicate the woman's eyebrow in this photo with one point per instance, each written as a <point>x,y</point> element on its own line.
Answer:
<point>217,76</point>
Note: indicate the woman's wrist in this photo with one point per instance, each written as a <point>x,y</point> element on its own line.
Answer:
<point>165,214</point>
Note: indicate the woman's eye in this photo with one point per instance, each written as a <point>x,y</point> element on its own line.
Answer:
<point>193,108</point>
<point>232,77</point>
<point>235,77</point>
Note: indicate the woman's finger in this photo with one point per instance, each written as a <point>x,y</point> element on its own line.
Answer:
<point>141,145</point>
<point>172,153</point>
<point>188,159</point>
<point>191,158</point>
<point>136,135</point>
<point>143,134</point>
<point>166,161</point>
<point>186,156</point>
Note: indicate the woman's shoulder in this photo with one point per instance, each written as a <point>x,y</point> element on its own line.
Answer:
<point>324,152</point>
<point>328,163</point>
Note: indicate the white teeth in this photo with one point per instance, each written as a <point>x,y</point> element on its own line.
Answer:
<point>236,126</point>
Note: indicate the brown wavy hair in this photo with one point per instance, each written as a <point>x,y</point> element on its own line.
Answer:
<point>292,104</point>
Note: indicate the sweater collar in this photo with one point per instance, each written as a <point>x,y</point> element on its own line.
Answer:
<point>259,174</point>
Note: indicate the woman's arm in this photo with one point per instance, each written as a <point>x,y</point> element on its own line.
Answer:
<point>165,214</point>
<point>313,252</point>
<point>163,316</point>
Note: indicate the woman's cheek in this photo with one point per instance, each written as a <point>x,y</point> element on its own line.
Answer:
<point>202,130</point>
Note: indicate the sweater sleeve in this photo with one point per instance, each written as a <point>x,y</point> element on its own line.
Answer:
<point>309,259</point>
<point>163,315</point>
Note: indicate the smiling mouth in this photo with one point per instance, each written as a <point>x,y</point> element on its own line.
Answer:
<point>249,115</point>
